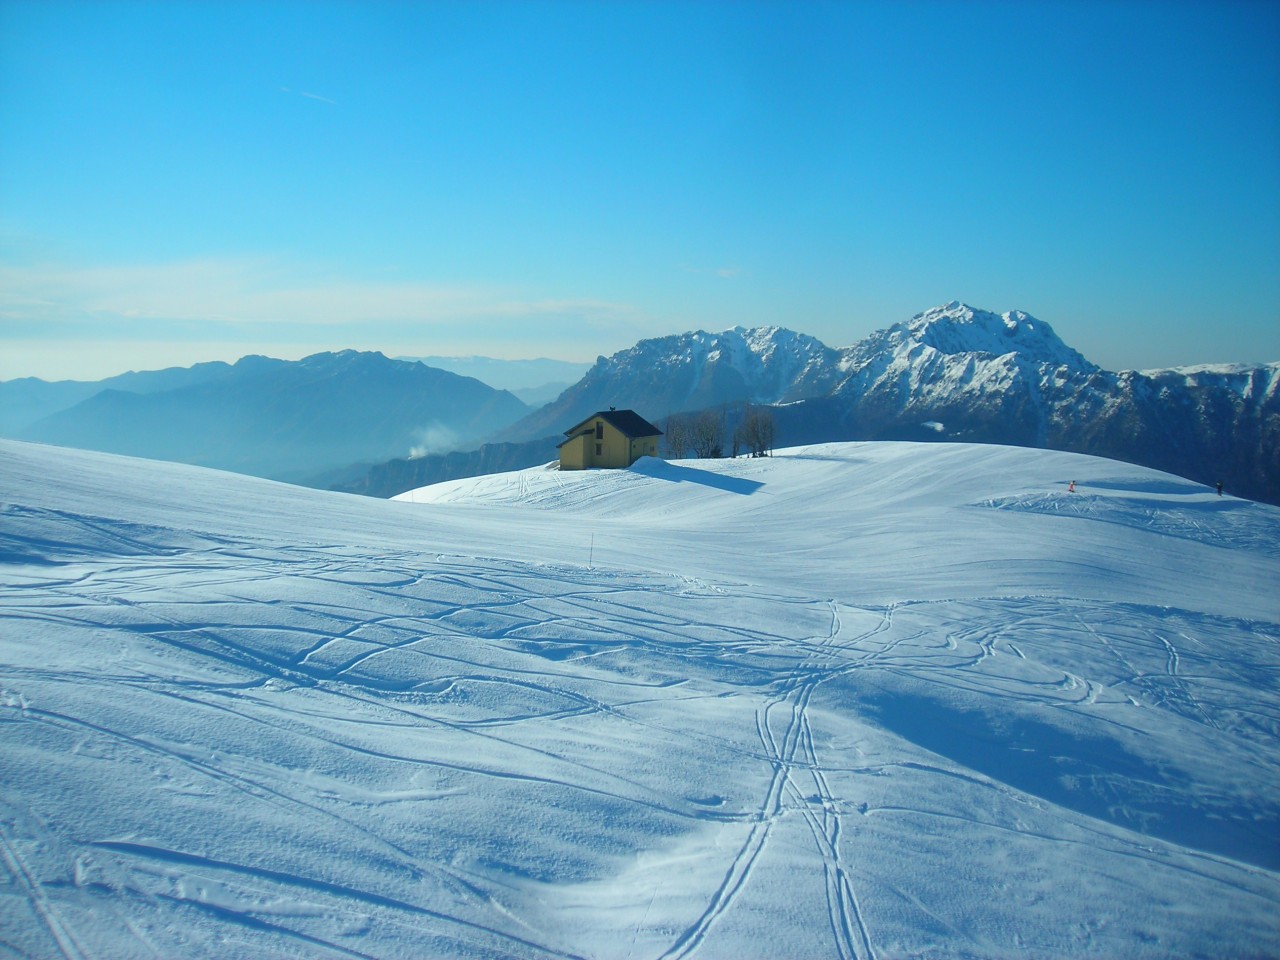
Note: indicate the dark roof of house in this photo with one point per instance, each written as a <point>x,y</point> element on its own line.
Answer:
<point>628,422</point>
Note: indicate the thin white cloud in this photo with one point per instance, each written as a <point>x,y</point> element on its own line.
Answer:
<point>59,321</point>
<point>289,91</point>
<point>239,292</point>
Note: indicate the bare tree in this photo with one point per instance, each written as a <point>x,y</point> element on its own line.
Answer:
<point>739,437</point>
<point>757,431</point>
<point>707,436</point>
<point>677,434</point>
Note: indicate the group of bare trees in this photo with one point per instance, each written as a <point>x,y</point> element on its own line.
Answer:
<point>755,432</point>
<point>703,434</point>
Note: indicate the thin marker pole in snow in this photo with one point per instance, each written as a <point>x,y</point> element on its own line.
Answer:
<point>591,554</point>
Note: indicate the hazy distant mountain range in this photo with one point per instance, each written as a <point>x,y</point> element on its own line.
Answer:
<point>302,421</point>
<point>364,423</point>
<point>536,381</point>
<point>29,400</point>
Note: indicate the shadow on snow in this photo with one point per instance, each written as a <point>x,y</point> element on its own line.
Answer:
<point>662,470</point>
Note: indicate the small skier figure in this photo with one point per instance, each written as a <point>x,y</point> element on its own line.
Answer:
<point>1219,488</point>
<point>1071,487</point>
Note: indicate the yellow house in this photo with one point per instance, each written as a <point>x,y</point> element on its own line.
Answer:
<point>610,438</point>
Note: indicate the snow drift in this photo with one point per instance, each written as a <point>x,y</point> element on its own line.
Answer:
<point>858,700</point>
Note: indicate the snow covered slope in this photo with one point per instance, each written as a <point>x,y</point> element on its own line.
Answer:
<point>858,700</point>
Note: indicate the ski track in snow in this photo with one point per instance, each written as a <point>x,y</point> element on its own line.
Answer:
<point>233,745</point>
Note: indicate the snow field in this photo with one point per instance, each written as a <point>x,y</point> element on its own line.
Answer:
<point>857,700</point>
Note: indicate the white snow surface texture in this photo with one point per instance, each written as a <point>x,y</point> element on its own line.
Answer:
<point>856,700</point>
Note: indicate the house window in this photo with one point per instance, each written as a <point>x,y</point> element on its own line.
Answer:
<point>599,432</point>
<point>597,449</point>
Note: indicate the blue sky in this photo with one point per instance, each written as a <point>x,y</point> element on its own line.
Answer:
<point>188,181</point>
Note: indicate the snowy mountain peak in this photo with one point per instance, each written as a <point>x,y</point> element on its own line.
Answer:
<point>694,371</point>
<point>339,359</point>
<point>749,351</point>
<point>957,328</point>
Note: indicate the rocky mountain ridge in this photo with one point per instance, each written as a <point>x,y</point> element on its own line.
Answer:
<point>953,372</point>
<point>692,371</point>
